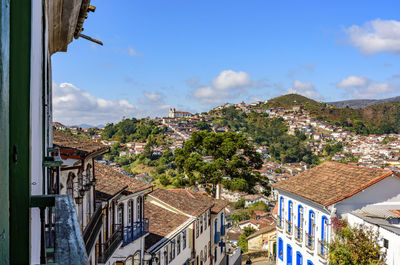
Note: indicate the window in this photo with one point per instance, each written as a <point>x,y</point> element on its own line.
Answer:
<point>280,249</point>
<point>70,184</point>
<point>184,239</point>
<point>178,245</point>
<point>385,243</point>
<point>215,254</point>
<point>139,206</point>
<point>290,216</point>
<point>311,223</point>
<point>281,208</point>
<point>309,262</point>
<point>197,228</point>
<point>130,213</point>
<point>299,258</point>
<point>205,253</point>
<point>289,257</point>
<point>88,173</point>
<point>324,227</point>
<point>300,216</point>
<point>205,220</point>
<point>121,214</point>
<point>209,249</point>
<point>201,224</point>
<point>222,224</point>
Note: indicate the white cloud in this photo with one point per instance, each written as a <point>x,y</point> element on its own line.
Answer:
<point>363,87</point>
<point>153,103</point>
<point>75,106</point>
<point>227,85</point>
<point>353,81</point>
<point>376,36</point>
<point>306,89</point>
<point>308,67</point>
<point>153,96</point>
<point>132,51</point>
<point>230,79</point>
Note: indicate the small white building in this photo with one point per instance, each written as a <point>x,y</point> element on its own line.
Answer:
<point>309,200</point>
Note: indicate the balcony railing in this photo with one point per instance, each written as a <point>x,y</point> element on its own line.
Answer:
<point>61,241</point>
<point>92,230</point>
<point>137,230</point>
<point>310,241</point>
<point>217,237</point>
<point>289,227</point>
<point>298,234</point>
<point>280,222</point>
<point>108,248</point>
<point>323,249</point>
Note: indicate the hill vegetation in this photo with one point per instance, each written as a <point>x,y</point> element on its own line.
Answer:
<point>374,119</point>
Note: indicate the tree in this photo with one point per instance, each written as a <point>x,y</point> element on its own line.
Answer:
<point>243,243</point>
<point>232,159</point>
<point>354,245</point>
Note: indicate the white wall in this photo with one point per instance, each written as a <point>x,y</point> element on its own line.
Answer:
<point>183,256</point>
<point>393,252</point>
<point>202,241</point>
<point>220,255</point>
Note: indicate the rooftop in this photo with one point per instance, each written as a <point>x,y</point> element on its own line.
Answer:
<point>62,139</point>
<point>332,182</point>
<point>184,200</point>
<point>161,222</point>
<point>110,181</point>
<point>380,217</point>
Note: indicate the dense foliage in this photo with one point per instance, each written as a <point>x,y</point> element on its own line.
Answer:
<point>133,130</point>
<point>209,159</point>
<point>354,245</point>
<point>243,243</point>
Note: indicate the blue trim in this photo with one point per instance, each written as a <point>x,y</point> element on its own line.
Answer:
<point>290,203</point>
<point>309,262</point>
<point>289,255</point>
<point>280,249</point>
<point>322,227</point>
<point>281,204</point>
<point>299,258</point>
<point>299,224</point>
<point>309,221</point>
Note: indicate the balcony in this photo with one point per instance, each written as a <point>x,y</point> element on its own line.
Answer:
<point>108,248</point>
<point>217,237</point>
<point>310,241</point>
<point>323,249</point>
<point>298,234</point>
<point>289,227</point>
<point>92,230</point>
<point>61,241</point>
<point>131,233</point>
<point>280,223</point>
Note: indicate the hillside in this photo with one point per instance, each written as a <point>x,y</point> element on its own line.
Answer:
<point>373,119</point>
<point>362,103</point>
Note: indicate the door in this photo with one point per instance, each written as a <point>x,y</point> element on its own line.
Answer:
<point>289,255</point>
<point>299,259</point>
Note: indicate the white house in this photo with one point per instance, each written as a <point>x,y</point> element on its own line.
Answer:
<point>386,222</point>
<point>308,200</point>
<point>250,199</point>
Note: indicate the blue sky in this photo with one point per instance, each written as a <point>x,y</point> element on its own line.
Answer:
<point>195,55</point>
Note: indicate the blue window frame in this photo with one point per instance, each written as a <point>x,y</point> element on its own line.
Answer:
<point>311,222</point>
<point>281,206</point>
<point>280,249</point>
<point>290,215</point>
<point>215,254</point>
<point>299,258</point>
<point>300,216</point>
<point>289,255</point>
<point>324,229</point>
<point>222,225</point>
<point>309,262</point>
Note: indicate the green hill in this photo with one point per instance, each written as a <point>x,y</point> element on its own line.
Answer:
<point>374,119</point>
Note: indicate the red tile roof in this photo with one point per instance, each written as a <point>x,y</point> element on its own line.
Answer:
<point>332,182</point>
<point>62,139</point>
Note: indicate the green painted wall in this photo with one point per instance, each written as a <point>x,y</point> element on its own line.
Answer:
<point>4,130</point>
<point>20,47</point>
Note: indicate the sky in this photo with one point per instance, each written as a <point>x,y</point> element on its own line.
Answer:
<point>195,55</point>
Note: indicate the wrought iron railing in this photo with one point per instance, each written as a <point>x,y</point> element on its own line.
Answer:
<point>298,233</point>
<point>323,249</point>
<point>108,248</point>
<point>92,230</point>
<point>137,230</point>
<point>310,241</point>
<point>280,222</point>
<point>289,227</point>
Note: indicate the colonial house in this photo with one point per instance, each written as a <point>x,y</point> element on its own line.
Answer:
<point>250,199</point>
<point>264,240</point>
<point>309,200</point>
<point>384,221</point>
<point>173,113</point>
<point>124,226</point>
<point>76,178</point>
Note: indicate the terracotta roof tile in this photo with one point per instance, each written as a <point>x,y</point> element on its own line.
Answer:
<point>184,200</point>
<point>331,182</point>
<point>62,139</point>
<point>161,222</point>
<point>110,181</point>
